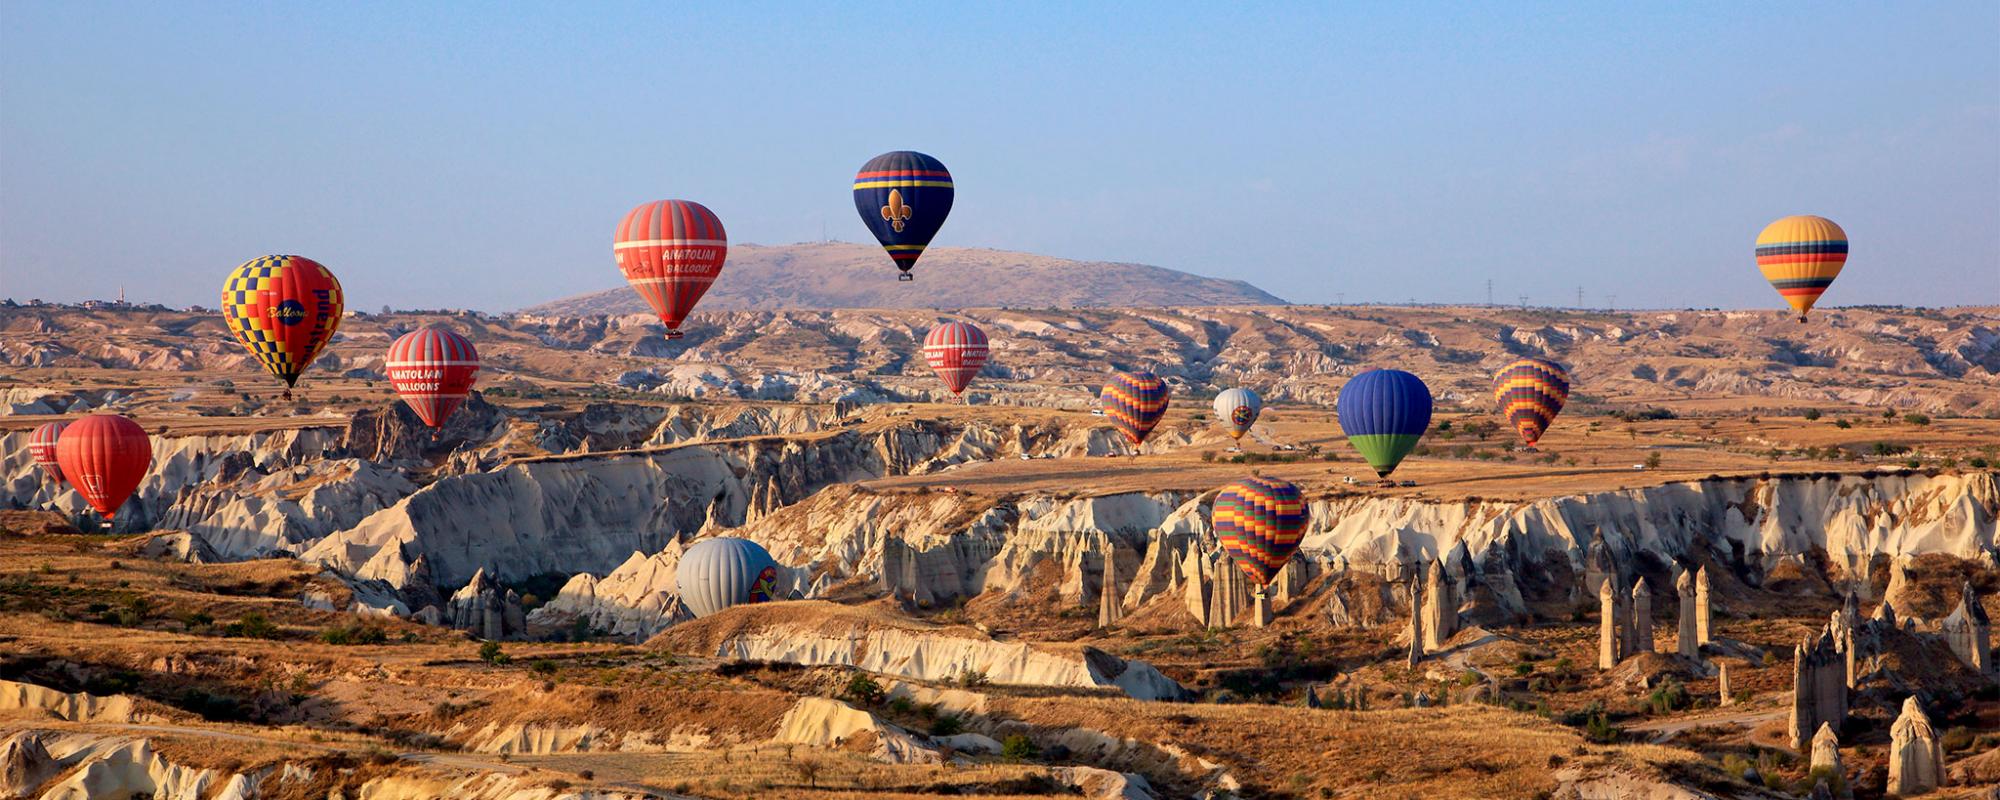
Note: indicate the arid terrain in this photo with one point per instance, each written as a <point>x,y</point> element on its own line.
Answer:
<point>1739,526</point>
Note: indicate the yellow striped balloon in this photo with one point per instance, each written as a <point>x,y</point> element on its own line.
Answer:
<point>1801,256</point>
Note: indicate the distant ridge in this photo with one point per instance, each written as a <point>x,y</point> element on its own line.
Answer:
<point>842,275</point>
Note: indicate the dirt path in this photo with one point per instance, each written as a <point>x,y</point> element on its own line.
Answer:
<point>1665,730</point>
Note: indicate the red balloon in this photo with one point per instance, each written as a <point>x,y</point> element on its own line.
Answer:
<point>42,446</point>
<point>104,456</point>
<point>671,251</point>
<point>956,350</point>
<point>432,369</point>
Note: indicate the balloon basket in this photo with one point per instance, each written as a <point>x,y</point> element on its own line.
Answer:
<point>1802,318</point>
<point>906,277</point>
<point>671,335</point>
<point>287,395</point>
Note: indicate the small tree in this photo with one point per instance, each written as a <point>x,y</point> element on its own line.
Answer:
<point>1652,461</point>
<point>1019,748</point>
<point>490,653</point>
<point>863,689</point>
<point>808,771</point>
<point>1812,414</point>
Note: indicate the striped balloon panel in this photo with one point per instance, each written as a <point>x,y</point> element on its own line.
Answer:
<point>726,571</point>
<point>903,197</point>
<point>1237,409</point>
<point>1135,402</point>
<point>1801,256</point>
<point>956,351</point>
<point>1384,412</point>
<point>104,457</point>
<point>1260,522</point>
<point>1530,393</point>
<point>433,369</point>
<point>285,309</point>
<point>671,251</point>
<point>42,448</point>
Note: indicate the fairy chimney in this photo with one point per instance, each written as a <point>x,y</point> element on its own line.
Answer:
<point>1916,760</point>
<point>1690,643</point>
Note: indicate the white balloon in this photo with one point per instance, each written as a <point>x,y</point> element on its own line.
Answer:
<point>1238,409</point>
<point>718,573</point>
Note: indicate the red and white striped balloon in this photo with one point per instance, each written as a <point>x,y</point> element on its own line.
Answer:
<point>433,370</point>
<point>104,456</point>
<point>42,446</point>
<point>671,251</point>
<point>956,351</point>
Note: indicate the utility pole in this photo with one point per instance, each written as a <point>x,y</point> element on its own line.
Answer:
<point>1340,298</point>
<point>1524,301</point>
<point>1611,300</point>
<point>1489,291</point>
<point>1579,298</point>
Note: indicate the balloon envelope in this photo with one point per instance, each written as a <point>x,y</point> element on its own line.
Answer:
<point>1531,393</point>
<point>1801,256</point>
<point>104,456</point>
<point>432,369</point>
<point>284,309</point>
<point>956,351</point>
<point>718,573</point>
<point>1260,522</point>
<point>1238,409</point>
<point>1384,412</point>
<point>903,197</point>
<point>42,448</point>
<point>671,251</point>
<point>1135,402</point>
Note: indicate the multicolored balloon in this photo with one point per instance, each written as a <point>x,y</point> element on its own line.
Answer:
<point>1531,393</point>
<point>1801,256</point>
<point>1135,402</point>
<point>671,251</point>
<point>903,197</point>
<point>1260,522</point>
<point>1384,412</point>
<point>725,571</point>
<point>285,309</point>
<point>433,369</point>
<point>1238,409</point>
<point>42,447</point>
<point>956,351</point>
<point>104,456</point>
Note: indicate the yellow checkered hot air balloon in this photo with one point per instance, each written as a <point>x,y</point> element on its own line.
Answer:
<point>284,309</point>
<point>1801,256</point>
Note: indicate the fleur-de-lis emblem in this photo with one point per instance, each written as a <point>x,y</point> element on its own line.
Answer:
<point>895,212</point>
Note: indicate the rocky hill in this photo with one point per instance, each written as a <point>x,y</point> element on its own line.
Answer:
<point>842,275</point>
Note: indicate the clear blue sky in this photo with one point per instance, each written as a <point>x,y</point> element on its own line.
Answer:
<point>478,155</point>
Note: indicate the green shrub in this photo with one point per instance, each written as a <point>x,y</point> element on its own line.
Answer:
<point>1019,748</point>
<point>253,625</point>
<point>489,652</point>
<point>947,725</point>
<point>863,689</point>
<point>354,633</point>
<point>1917,419</point>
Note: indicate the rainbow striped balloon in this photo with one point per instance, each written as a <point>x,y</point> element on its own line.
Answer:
<point>1531,393</point>
<point>1260,522</point>
<point>1801,256</point>
<point>1135,402</point>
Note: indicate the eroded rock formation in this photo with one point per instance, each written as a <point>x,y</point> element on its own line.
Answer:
<point>1916,759</point>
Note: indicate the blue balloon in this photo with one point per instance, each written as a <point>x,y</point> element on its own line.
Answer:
<point>903,197</point>
<point>1384,412</point>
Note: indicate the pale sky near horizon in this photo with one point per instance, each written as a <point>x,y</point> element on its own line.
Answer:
<point>478,155</point>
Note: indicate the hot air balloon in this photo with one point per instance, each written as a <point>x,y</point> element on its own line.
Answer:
<point>285,309</point>
<point>42,447</point>
<point>956,351</point>
<point>1384,412</point>
<point>432,369</point>
<point>1135,402</point>
<point>1801,256</point>
<point>1238,409</point>
<point>1531,392</point>
<point>1260,522</point>
<point>903,197</point>
<point>671,251</point>
<point>726,571</point>
<point>104,456</point>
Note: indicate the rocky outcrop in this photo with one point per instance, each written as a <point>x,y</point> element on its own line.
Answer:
<point>1723,696</point>
<point>1969,631</point>
<point>487,609</point>
<point>1440,608</point>
<point>1916,759</point>
<point>637,600</point>
<point>1640,638</point>
<point>1109,608</point>
<point>25,763</point>
<point>1688,637</point>
<point>70,707</point>
<point>1819,688</point>
<point>827,723</point>
<point>1703,632</point>
<point>1610,629</point>
<point>1826,750</point>
<point>825,634</point>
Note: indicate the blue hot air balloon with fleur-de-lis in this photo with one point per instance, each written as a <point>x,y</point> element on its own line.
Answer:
<point>903,197</point>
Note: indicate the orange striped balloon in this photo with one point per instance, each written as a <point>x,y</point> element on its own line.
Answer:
<point>671,251</point>
<point>1801,256</point>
